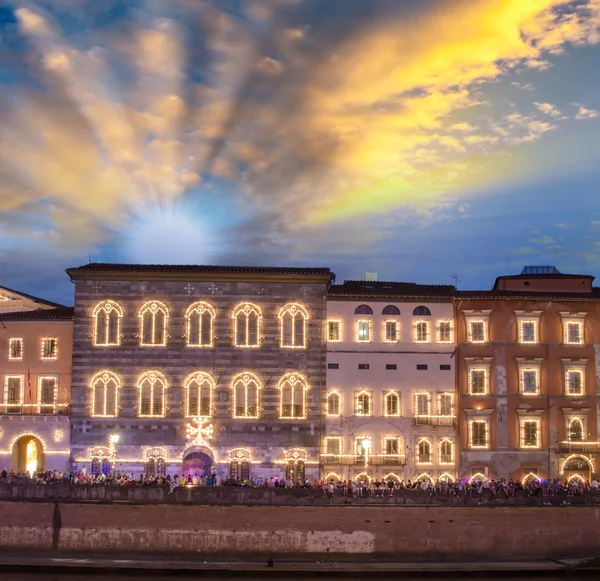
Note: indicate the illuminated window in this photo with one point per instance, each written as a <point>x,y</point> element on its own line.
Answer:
<point>446,451</point>
<point>422,332</point>
<point>105,387</point>
<point>152,386</point>
<point>363,404</point>
<point>47,394</point>
<point>293,387</point>
<point>333,403</point>
<point>333,446</point>
<point>155,466</point>
<point>391,331</point>
<point>574,381</point>
<point>477,332</point>
<point>246,387</point>
<point>424,451</point>
<point>573,328</point>
<point>445,407</point>
<point>444,332</point>
<point>363,331</point>
<point>15,349</point>
<point>392,404</point>
<point>49,348</point>
<point>247,319</point>
<point>392,446</point>
<point>199,389</point>
<point>107,317</point>
<point>478,381</point>
<point>477,325</point>
<point>13,393</point>
<point>363,445</point>
<point>200,319</point>
<point>574,334</point>
<point>478,434</point>
<point>576,431</point>
<point>293,318</point>
<point>334,331</point>
<point>154,317</point>
<point>422,404</point>
<point>528,326</point>
<point>530,433</point>
<point>530,381</point>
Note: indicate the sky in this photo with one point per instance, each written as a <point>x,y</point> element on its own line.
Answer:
<point>437,141</point>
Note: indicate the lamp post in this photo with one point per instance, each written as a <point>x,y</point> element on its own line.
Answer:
<point>366,444</point>
<point>112,449</point>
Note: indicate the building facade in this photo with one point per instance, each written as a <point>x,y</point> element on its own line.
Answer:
<point>390,403</point>
<point>528,356</point>
<point>199,370</point>
<point>36,337</point>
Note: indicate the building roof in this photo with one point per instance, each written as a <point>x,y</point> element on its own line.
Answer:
<point>59,314</point>
<point>382,289</point>
<point>529,295</point>
<point>31,297</point>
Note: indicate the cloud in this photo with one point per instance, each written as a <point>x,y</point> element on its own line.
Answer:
<point>545,240</point>
<point>584,113</point>
<point>548,109</point>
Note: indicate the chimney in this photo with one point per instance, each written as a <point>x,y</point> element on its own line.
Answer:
<point>371,276</point>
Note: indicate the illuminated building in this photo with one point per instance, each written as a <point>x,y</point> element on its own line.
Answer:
<point>199,369</point>
<point>527,376</point>
<point>390,403</point>
<point>35,381</point>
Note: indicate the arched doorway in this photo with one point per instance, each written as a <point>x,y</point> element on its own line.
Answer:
<point>577,465</point>
<point>28,454</point>
<point>196,463</point>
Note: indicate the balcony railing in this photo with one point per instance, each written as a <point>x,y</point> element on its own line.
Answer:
<point>434,421</point>
<point>571,447</point>
<point>373,459</point>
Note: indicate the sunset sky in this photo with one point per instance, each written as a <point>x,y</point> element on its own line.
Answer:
<point>416,139</point>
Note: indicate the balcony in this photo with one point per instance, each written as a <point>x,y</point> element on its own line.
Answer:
<point>449,421</point>
<point>359,459</point>
<point>578,447</point>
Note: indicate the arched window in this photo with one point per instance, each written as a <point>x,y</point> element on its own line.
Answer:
<point>363,404</point>
<point>246,325</point>
<point>151,467</point>
<point>200,319</point>
<point>96,466</point>
<point>392,404</point>
<point>246,387</point>
<point>107,323</point>
<point>292,402</point>
<point>576,430</point>
<point>421,311</point>
<point>333,403</point>
<point>152,386</point>
<point>155,466</point>
<point>446,451</point>
<point>363,310</point>
<point>390,310</point>
<point>424,450</point>
<point>293,318</point>
<point>105,394</point>
<point>154,317</point>
<point>199,389</point>
<point>106,466</point>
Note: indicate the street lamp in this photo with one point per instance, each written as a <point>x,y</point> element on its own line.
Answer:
<point>366,444</point>
<point>112,449</point>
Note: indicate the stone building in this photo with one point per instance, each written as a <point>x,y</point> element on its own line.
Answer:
<point>199,369</point>
<point>529,363</point>
<point>390,405</point>
<point>35,375</point>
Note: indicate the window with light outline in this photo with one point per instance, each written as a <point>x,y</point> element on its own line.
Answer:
<point>528,331</point>
<point>293,389</point>
<point>444,331</point>
<point>529,433</point>
<point>576,430</point>
<point>359,445</point>
<point>445,405</point>
<point>49,348</point>
<point>573,327</point>
<point>424,455</point>
<point>478,380</point>
<point>363,331</point>
<point>332,446</point>
<point>422,404</point>
<point>199,389</point>
<point>47,392</point>
<point>479,434</point>
<point>105,387</point>
<point>247,322</point>
<point>334,404</point>
<point>363,403</point>
<point>154,319</point>
<point>529,380</point>
<point>421,332</point>
<point>200,323</point>
<point>15,349</point>
<point>446,451</point>
<point>293,322</point>
<point>246,388</point>
<point>392,446</point>
<point>334,331</point>
<point>477,330</point>
<point>14,393</point>
<point>152,387</point>
<point>391,404</point>
<point>390,331</point>
<point>107,319</point>
<point>574,381</point>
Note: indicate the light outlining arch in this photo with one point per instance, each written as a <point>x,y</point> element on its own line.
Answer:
<point>363,475</point>
<point>442,444</point>
<point>292,396</point>
<point>363,403</point>
<point>155,452</point>
<point>241,454</point>
<point>391,404</point>
<point>530,475</point>
<point>447,476</point>
<point>392,476</point>
<point>571,457</point>
<point>154,319</point>
<point>578,424</point>
<point>152,387</point>
<point>332,476</point>
<point>247,319</point>
<point>292,326</point>
<point>334,397</point>
<point>424,450</point>
<point>478,476</point>
<point>105,403</point>
<point>246,388</point>
<point>107,317</point>
<point>577,477</point>
<point>424,476</point>
<point>199,324</point>
<point>28,435</point>
<point>199,388</point>
<point>100,452</point>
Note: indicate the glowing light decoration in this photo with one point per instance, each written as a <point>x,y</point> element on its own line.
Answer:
<point>14,393</point>
<point>391,404</point>
<point>478,381</point>
<point>332,476</point>
<point>334,330</point>
<point>573,326</point>
<point>447,477</point>
<point>421,332</point>
<point>363,331</point>
<point>530,476</point>
<point>575,380</point>
<point>390,331</point>
<point>246,388</point>
<point>50,348</point>
<point>241,454</point>
<point>445,405</point>
<point>587,460</point>
<point>15,349</point>
<point>363,403</point>
<point>424,455</point>
<point>59,435</point>
<point>529,380</point>
<point>47,391</point>
<point>446,451</point>
<point>530,433</point>
<point>8,451</point>
<point>477,331</point>
<point>422,404</point>
<point>478,477</point>
<point>154,318</point>
<point>424,477</point>
<point>528,331</point>
<point>199,389</point>
<point>332,446</point>
<point>152,387</point>
<point>199,433</point>
<point>4,298</point>
<point>392,446</point>
<point>247,318</point>
<point>445,332</point>
<point>478,434</point>
<point>576,430</point>
<point>293,319</point>
<point>199,321</point>
<point>107,317</point>
<point>292,398</point>
<point>105,386</point>
<point>334,404</point>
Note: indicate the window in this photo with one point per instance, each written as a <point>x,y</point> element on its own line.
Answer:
<point>49,348</point>
<point>528,330</point>
<point>333,366</point>
<point>333,404</point>
<point>107,317</point>
<point>576,431</point>
<point>13,395</point>
<point>363,331</point>
<point>364,445</point>
<point>200,318</point>
<point>334,331</point>
<point>574,381</point>
<point>391,404</point>
<point>421,366</point>
<point>478,434</point>
<point>105,390</point>
<point>155,466</point>
<point>363,310</point>
<point>15,349</point>
<point>363,404</point>
<point>573,328</point>
<point>391,366</point>
<point>446,451</point>
<point>530,381</point>
<point>424,451</point>
<point>445,367</point>
<point>239,470</point>
<point>333,446</point>
<point>247,319</point>
<point>421,311</point>
<point>391,446</point>
<point>422,332</point>
<point>422,404</point>
<point>391,331</point>
<point>477,332</point>
<point>199,389</point>
<point>530,433</point>
<point>445,404</point>
<point>391,310</point>
<point>246,387</point>
<point>153,316</point>
<point>478,381</point>
<point>363,366</point>
<point>152,386</point>
<point>47,395</point>
<point>293,387</point>
<point>293,318</point>
<point>444,332</point>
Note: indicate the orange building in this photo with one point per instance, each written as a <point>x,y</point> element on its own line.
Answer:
<point>528,358</point>
<point>36,345</point>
